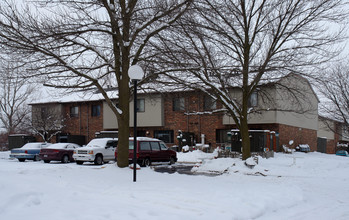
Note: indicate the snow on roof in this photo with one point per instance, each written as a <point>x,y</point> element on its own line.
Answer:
<point>16,135</point>
<point>54,95</point>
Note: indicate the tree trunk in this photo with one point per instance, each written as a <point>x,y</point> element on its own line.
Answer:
<point>122,160</point>
<point>246,148</point>
<point>123,124</point>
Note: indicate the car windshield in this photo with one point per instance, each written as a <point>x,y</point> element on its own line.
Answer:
<point>58,146</point>
<point>32,146</point>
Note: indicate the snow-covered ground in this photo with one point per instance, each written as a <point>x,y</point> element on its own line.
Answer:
<point>288,186</point>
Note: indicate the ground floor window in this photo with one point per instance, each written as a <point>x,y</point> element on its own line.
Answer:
<point>223,135</point>
<point>74,111</point>
<point>164,135</point>
<point>95,110</point>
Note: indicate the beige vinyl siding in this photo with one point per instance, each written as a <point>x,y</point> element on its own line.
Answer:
<point>151,117</point>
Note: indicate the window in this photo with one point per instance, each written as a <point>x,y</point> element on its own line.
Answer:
<point>44,112</point>
<point>179,104</point>
<point>95,110</point>
<point>140,105</point>
<point>209,103</point>
<point>74,111</point>
<point>144,145</point>
<point>70,146</point>
<point>253,100</point>
<point>345,130</point>
<point>163,146</point>
<point>223,135</point>
<point>165,135</point>
<point>112,144</point>
<point>155,146</point>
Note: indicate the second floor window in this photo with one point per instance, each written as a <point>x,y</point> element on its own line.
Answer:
<point>209,103</point>
<point>179,104</point>
<point>95,110</point>
<point>74,111</point>
<point>140,105</point>
<point>253,100</point>
<point>44,112</point>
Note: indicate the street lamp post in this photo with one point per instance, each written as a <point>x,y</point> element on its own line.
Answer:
<point>135,73</point>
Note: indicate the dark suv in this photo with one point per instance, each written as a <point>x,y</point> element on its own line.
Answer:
<point>150,150</point>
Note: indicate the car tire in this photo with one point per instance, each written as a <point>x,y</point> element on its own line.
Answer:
<point>21,160</point>
<point>65,159</point>
<point>172,160</point>
<point>146,162</point>
<point>98,159</point>
<point>79,162</point>
<point>47,161</point>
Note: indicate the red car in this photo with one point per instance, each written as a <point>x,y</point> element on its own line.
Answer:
<point>150,150</point>
<point>58,152</point>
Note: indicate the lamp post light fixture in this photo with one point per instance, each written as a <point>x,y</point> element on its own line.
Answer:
<point>135,73</point>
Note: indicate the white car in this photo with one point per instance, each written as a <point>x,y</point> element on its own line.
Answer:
<point>98,150</point>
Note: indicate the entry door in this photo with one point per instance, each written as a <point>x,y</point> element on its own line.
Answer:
<point>321,145</point>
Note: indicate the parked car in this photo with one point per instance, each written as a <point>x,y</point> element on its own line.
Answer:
<point>98,150</point>
<point>150,150</point>
<point>58,152</point>
<point>29,151</point>
<point>342,153</point>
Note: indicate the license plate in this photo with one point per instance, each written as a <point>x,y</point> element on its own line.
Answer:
<point>45,155</point>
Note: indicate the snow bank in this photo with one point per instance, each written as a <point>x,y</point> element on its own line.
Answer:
<point>5,154</point>
<point>196,156</point>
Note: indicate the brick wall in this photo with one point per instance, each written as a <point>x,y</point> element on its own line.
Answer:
<point>84,124</point>
<point>298,135</point>
<point>196,121</point>
<point>331,146</point>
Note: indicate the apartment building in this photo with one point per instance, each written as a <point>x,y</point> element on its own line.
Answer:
<point>288,108</point>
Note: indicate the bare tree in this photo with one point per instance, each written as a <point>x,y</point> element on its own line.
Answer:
<point>88,44</point>
<point>47,121</point>
<point>334,88</point>
<point>245,44</point>
<point>15,94</point>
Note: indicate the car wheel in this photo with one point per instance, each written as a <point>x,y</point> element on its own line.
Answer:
<point>79,162</point>
<point>99,160</point>
<point>146,162</point>
<point>21,160</point>
<point>65,159</point>
<point>172,160</point>
<point>47,161</point>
